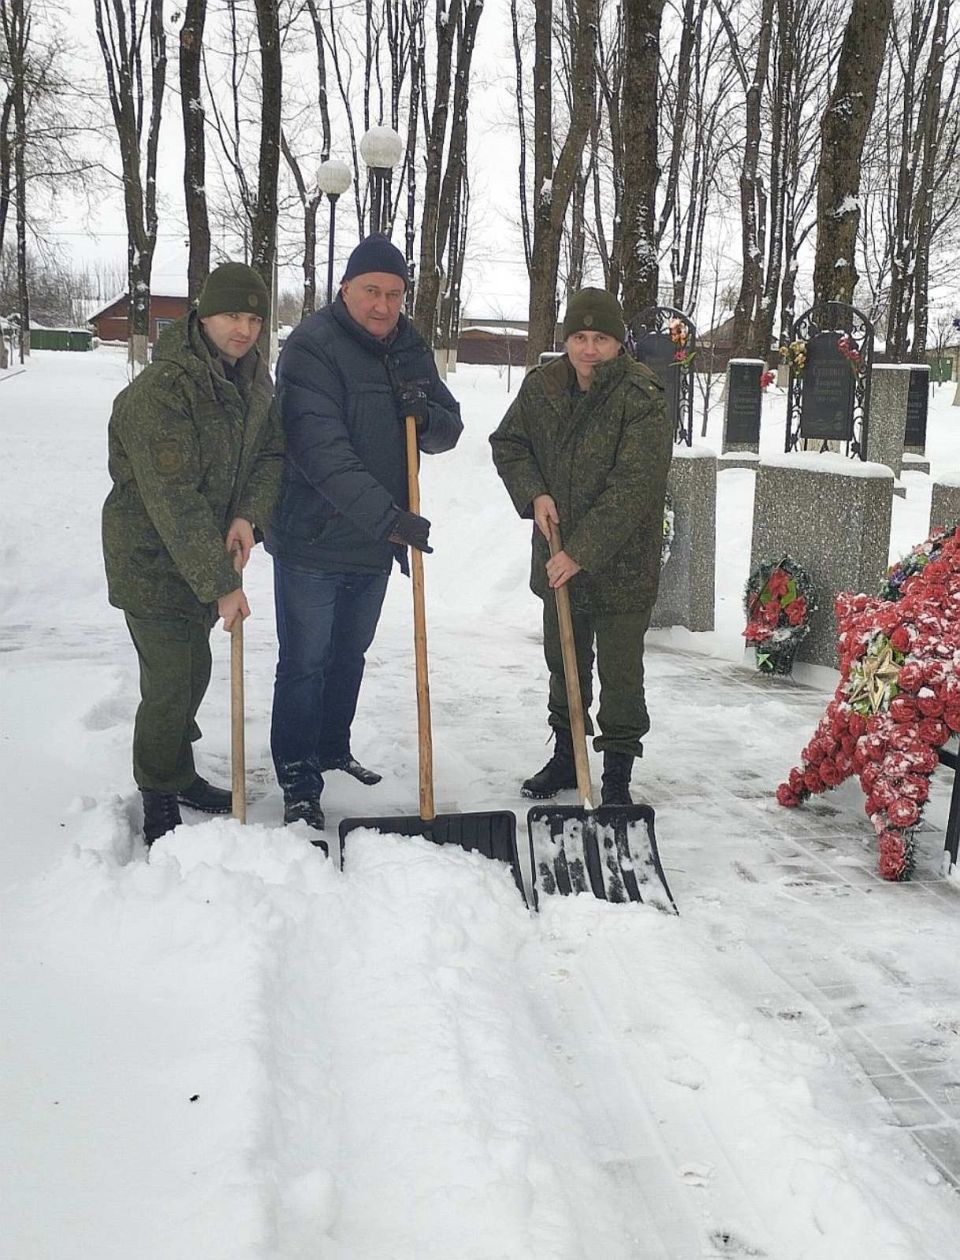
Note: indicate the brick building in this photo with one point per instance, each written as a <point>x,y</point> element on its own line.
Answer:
<point>112,321</point>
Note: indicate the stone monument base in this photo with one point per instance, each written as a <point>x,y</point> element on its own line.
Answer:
<point>915,462</point>
<point>945,502</point>
<point>738,459</point>
<point>832,515</point>
<point>686,596</point>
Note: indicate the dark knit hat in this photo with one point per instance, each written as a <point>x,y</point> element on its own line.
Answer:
<point>376,253</point>
<point>233,286</point>
<point>594,310</point>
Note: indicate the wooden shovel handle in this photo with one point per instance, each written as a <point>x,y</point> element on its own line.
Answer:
<point>424,733</point>
<point>238,783</point>
<point>574,700</point>
<point>237,751</point>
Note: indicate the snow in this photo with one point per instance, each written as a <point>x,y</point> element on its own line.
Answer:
<point>849,205</point>
<point>829,462</point>
<point>238,1051</point>
<point>694,452</point>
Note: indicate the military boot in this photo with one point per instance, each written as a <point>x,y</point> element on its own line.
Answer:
<point>615,784</point>
<point>161,814</point>
<point>559,772</point>
<point>205,797</point>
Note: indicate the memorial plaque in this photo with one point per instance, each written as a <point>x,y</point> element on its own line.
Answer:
<point>656,350</point>
<point>826,409</point>
<point>743,405</point>
<point>915,435</point>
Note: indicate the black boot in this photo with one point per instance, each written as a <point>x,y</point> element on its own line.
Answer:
<point>160,814</point>
<point>349,765</point>
<point>559,772</point>
<point>615,785</point>
<point>307,811</point>
<point>206,798</point>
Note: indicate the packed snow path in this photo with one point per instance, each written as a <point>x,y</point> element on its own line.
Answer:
<point>238,1051</point>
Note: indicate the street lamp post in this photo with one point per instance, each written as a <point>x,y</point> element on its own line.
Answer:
<point>333,178</point>
<point>381,148</point>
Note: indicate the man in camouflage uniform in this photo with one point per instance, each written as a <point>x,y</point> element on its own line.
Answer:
<point>196,455</point>
<point>587,445</point>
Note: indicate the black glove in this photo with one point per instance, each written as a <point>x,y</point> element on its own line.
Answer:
<point>412,401</point>
<point>411,531</point>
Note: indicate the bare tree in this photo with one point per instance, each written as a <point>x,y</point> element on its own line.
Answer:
<point>805,71</point>
<point>6,132</point>
<point>921,135</point>
<point>554,174</point>
<point>443,195</point>
<point>309,194</point>
<point>640,126</point>
<point>843,130</point>
<point>752,206</point>
<point>136,102</point>
<point>706,123</point>
<point>16,25</point>
<point>249,103</point>
<point>263,237</point>
<point>194,145</point>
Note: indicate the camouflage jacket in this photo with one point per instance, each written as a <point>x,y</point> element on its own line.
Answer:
<point>604,457</point>
<point>189,450</point>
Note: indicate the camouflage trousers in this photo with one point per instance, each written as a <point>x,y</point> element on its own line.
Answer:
<point>622,714</point>
<point>175,665</point>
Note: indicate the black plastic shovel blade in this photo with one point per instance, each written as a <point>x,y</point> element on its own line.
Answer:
<point>493,834</point>
<point>610,852</point>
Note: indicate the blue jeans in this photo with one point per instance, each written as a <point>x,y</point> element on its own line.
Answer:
<point>325,623</point>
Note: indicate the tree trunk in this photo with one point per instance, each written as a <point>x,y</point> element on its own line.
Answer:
<point>751,192</point>
<point>123,62</point>
<point>432,234</point>
<point>843,130</point>
<point>779,140</point>
<point>641,121</point>
<point>16,30</point>
<point>263,250</point>
<point>309,200</point>
<point>553,185</point>
<point>6,163</point>
<point>194,146</point>
<point>930,127</point>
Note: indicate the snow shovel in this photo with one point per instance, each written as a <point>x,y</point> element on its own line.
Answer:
<point>493,834</point>
<point>610,851</point>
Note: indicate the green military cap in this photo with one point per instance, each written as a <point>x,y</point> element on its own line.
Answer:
<point>236,287</point>
<point>594,310</point>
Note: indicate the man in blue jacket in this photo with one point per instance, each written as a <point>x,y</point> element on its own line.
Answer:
<point>347,378</point>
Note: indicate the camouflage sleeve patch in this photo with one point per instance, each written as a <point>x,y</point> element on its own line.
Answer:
<point>168,456</point>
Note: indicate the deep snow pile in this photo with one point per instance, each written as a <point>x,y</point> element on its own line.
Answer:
<point>238,1051</point>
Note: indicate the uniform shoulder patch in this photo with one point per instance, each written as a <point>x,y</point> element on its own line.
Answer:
<point>168,456</point>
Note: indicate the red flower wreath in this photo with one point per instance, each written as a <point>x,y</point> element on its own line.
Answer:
<point>898,699</point>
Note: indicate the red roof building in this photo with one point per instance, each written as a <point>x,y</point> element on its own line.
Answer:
<point>112,322</point>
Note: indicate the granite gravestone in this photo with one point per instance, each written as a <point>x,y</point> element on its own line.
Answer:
<point>741,421</point>
<point>657,351</point>
<point>826,408</point>
<point>918,396</point>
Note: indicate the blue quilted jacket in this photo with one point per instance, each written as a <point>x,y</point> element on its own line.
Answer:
<point>345,475</point>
